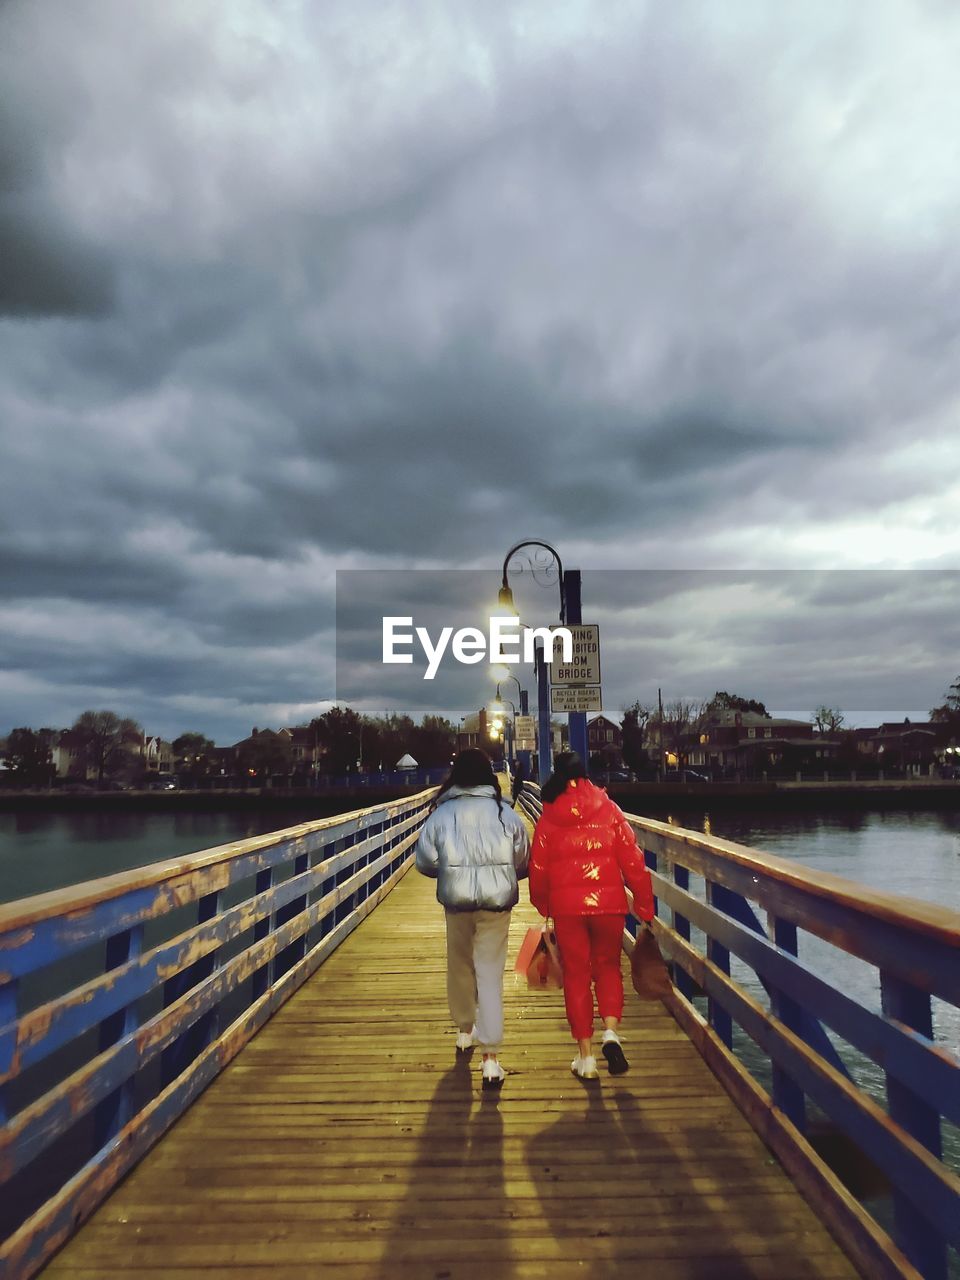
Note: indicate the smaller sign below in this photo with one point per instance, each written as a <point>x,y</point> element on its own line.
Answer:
<point>524,727</point>
<point>571,699</point>
<point>525,744</point>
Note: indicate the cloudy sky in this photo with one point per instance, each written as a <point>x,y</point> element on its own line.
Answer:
<point>290,287</point>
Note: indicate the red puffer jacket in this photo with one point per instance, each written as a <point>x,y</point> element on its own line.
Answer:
<point>583,851</point>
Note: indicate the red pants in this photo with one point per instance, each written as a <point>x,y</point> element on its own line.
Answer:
<point>590,948</point>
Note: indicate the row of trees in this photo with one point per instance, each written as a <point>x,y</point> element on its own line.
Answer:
<point>350,740</point>
<point>109,746</point>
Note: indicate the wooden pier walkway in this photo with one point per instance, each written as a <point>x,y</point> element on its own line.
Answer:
<point>348,1139</point>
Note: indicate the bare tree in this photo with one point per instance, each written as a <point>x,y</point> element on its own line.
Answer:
<point>107,740</point>
<point>681,721</point>
<point>827,719</point>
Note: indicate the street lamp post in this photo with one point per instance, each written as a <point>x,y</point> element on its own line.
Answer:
<point>570,612</point>
<point>510,725</point>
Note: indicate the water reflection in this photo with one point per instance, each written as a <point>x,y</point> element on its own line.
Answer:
<point>42,851</point>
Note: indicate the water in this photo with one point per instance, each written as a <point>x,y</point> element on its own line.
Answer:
<point>42,851</point>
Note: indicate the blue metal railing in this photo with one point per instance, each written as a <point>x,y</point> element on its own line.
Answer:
<point>122,998</point>
<point>708,891</point>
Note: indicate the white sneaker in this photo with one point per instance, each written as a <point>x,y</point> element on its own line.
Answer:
<point>585,1068</point>
<point>493,1074</point>
<point>465,1040</point>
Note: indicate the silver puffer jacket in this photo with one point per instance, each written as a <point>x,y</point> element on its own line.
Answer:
<point>475,860</point>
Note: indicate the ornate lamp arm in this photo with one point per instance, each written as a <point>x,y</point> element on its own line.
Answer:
<point>506,595</point>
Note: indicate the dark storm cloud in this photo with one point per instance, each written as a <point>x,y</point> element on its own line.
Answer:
<point>46,271</point>
<point>319,287</point>
<point>46,266</point>
<point>110,574</point>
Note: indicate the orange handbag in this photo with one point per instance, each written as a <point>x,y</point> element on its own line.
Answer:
<point>539,958</point>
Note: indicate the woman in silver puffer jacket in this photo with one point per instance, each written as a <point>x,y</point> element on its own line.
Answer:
<point>477,849</point>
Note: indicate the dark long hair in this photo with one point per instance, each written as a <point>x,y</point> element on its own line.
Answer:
<point>566,766</point>
<point>471,768</point>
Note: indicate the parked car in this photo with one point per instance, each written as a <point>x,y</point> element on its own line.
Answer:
<point>165,782</point>
<point>615,775</point>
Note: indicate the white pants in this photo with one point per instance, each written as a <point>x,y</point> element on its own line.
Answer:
<point>476,956</point>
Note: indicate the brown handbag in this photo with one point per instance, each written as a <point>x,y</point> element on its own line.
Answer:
<point>651,978</point>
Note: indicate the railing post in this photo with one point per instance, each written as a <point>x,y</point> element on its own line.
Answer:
<point>916,1236</point>
<point>262,929</point>
<point>8,1041</point>
<point>327,921</point>
<point>207,1026</point>
<point>719,1019</point>
<point>787,1094</point>
<point>185,1048</point>
<point>685,984</point>
<point>297,949</point>
<point>114,1111</point>
<point>343,909</point>
<point>377,830</point>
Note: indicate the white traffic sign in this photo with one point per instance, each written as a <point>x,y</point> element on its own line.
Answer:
<point>524,727</point>
<point>584,668</point>
<point>568,698</point>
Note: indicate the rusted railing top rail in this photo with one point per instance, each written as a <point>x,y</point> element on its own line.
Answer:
<point>916,915</point>
<point>48,926</point>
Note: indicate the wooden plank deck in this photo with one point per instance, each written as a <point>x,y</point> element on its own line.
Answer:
<point>347,1139</point>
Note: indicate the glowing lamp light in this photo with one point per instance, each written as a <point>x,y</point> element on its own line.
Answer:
<point>505,601</point>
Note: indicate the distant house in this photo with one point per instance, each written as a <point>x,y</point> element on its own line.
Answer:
<point>473,731</point>
<point>746,742</point>
<point>156,754</point>
<point>223,761</point>
<point>605,739</point>
<point>305,749</point>
<point>69,756</point>
<point>900,746</point>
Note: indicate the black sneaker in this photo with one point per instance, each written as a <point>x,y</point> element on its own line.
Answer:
<point>617,1062</point>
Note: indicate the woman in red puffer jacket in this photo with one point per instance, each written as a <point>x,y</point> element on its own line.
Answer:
<point>583,851</point>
